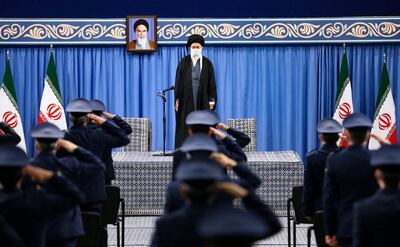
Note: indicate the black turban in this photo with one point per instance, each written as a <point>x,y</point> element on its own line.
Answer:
<point>195,38</point>
<point>141,22</point>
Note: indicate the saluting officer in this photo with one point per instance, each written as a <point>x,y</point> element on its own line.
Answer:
<point>377,218</point>
<point>197,179</point>
<point>98,108</point>
<point>94,140</point>
<point>314,168</point>
<point>81,167</point>
<point>31,211</point>
<point>206,122</point>
<point>200,145</point>
<point>348,179</point>
<point>232,227</point>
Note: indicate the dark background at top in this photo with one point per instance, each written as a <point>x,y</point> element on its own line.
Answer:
<point>196,8</point>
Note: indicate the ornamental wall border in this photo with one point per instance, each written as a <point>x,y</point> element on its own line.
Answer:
<point>216,31</point>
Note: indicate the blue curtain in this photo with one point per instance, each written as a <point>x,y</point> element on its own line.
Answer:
<point>286,88</point>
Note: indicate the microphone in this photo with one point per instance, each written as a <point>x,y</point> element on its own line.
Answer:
<point>167,89</point>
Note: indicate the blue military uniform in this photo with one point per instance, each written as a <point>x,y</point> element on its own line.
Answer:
<point>377,218</point>
<point>314,168</point>
<point>178,229</point>
<point>98,142</point>
<point>9,235</point>
<point>228,226</point>
<point>200,146</point>
<point>348,179</point>
<point>31,211</point>
<point>8,135</point>
<point>241,138</point>
<point>80,168</point>
<point>227,146</point>
<point>98,107</point>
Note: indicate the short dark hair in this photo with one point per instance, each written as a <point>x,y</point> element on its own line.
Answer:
<point>200,128</point>
<point>330,138</point>
<point>390,176</point>
<point>9,176</point>
<point>358,134</point>
<point>79,119</point>
<point>47,144</point>
<point>199,191</point>
<point>98,113</point>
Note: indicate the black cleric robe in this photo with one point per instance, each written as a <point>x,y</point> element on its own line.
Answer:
<point>207,92</point>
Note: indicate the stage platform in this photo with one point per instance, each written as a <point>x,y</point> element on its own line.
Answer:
<point>143,178</point>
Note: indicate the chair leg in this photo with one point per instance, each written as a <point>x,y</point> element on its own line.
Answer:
<point>294,233</point>
<point>123,221</point>
<point>118,235</point>
<point>309,229</point>
<point>288,221</point>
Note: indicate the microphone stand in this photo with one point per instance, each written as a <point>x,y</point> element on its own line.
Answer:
<point>161,94</point>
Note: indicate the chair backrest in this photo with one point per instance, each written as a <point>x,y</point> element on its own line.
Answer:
<point>318,221</point>
<point>141,135</point>
<point>109,214</point>
<point>247,126</point>
<point>297,194</point>
<point>91,224</point>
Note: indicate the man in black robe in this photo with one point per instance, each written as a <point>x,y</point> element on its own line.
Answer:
<point>195,87</point>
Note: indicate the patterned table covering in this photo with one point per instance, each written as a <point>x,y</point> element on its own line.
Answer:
<point>143,177</point>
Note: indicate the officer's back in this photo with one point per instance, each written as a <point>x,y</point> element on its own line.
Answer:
<point>348,179</point>
<point>198,180</point>
<point>316,163</point>
<point>377,218</point>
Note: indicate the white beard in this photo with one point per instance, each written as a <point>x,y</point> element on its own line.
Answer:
<point>142,42</point>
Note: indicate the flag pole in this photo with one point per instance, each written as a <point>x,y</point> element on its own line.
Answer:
<point>344,47</point>
<point>385,58</point>
<point>51,48</point>
<point>8,54</point>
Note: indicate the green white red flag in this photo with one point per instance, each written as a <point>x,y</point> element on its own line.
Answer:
<point>344,98</point>
<point>385,113</point>
<point>51,109</point>
<point>9,109</point>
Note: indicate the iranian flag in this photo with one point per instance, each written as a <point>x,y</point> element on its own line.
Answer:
<point>9,110</point>
<point>51,109</point>
<point>385,113</point>
<point>344,98</point>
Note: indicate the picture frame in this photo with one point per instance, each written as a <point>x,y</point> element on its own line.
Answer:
<point>141,33</point>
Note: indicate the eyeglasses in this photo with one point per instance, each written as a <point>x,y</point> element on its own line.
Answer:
<point>195,46</point>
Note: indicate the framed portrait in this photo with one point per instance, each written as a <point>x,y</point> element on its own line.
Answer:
<point>141,33</point>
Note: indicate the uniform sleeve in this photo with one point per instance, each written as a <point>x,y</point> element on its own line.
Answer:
<point>122,124</point>
<point>253,204</point>
<point>232,150</point>
<point>247,176</point>
<point>329,198</point>
<point>308,189</point>
<point>9,235</point>
<point>116,137</point>
<point>88,163</point>
<point>241,138</point>
<point>9,135</point>
<point>65,195</point>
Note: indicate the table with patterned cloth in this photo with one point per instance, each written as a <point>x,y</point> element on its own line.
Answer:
<point>143,178</point>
